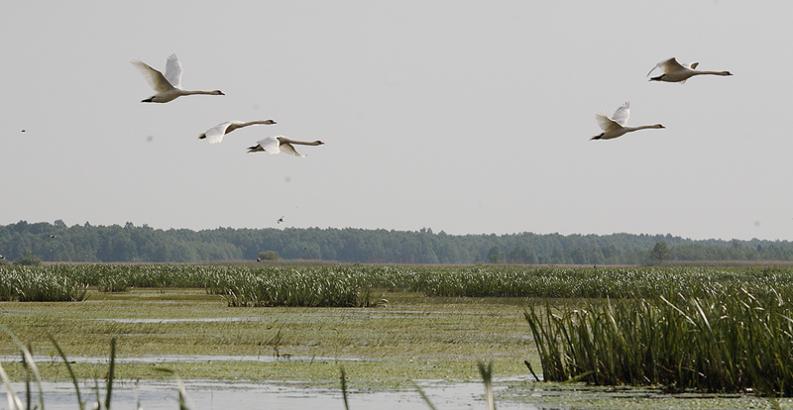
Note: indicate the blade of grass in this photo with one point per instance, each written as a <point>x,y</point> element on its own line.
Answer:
<point>80,403</point>
<point>110,374</point>
<point>486,371</point>
<point>28,360</point>
<point>343,378</point>
<point>424,396</point>
<point>14,403</point>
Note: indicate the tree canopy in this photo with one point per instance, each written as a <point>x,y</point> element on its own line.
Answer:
<point>130,243</point>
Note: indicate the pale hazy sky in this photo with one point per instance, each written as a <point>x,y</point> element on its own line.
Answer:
<point>467,117</point>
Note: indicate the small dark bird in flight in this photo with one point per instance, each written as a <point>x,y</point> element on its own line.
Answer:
<point>2,257</point>
<point>258,259</point>
<point>53,236</point>
<point>23,131</point>
<point>280,220</point>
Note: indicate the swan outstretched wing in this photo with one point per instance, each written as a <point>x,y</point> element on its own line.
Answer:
<point>288,148</point>
<point>173,71</point>
<point>156,80</point>
<point>270,145</point>
<point>668,66</point>
<point>622,114</point>
<point>215,134</point>
<point>606,124</point>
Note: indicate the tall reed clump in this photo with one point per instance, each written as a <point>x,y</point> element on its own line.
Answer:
<point>578,282</point>
<point>24,284</point>
<point>308,288</point>
<point>731,342</point>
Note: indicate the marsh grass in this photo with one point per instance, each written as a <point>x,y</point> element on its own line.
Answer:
<point>27,284</point>
<point>360,285</point>
<point>729,342</point>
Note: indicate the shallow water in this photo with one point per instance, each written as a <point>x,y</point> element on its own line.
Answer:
<point>184,359</point>
<point>209,395</point>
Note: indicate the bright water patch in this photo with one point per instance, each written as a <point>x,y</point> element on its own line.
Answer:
<point>208,395</point>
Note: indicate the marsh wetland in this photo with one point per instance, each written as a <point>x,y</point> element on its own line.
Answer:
<point>280,334</point>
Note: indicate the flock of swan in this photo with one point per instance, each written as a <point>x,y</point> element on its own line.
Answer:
<point>168,87</point>
<point>672,72</point>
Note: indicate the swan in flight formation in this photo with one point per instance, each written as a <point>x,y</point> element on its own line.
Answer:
<point>278,144</point>
<point>615,126</point>
<point>674,72</point>
<point>215,134</point>
<point>169,86</point>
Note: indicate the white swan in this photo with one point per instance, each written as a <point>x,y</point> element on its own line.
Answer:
<point>168,86</point>
<point>674,72</point>
<point>215,134</point>
<point>614,127</point>
<point>278,144</point>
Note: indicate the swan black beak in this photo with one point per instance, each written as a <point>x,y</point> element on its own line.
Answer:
<point>150,99</point>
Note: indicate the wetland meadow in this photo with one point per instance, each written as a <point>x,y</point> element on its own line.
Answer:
<point>281,333</point>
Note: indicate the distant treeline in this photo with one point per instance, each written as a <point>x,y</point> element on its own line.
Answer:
<point>130,243</point>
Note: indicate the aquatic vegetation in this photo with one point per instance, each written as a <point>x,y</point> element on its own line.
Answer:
<point>26,284</point>
<point>358,285</point>
<point>730,341</point>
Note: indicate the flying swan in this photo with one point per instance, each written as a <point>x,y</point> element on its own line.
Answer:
<point>215,134</point>
<point>614,127</point>
<point>278,144</point>
<point>168,86</point>
<point>674,72</point>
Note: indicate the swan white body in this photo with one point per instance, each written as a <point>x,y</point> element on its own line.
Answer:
<point>278,144</point>
<point>616,126</point>
<point>674,72</point>
<point>168,87</point>
<point>215,134</point>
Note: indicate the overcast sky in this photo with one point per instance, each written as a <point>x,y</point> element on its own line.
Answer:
<point>467,117</point>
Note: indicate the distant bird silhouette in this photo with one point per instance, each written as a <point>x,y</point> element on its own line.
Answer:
<point>2,257</point>
<point>23,131</point>
<point>169,86</point>
<point>53,236</point>
<point>276,145</point>
<point>674,72</point>
<point>215,134</point>
<point>258,259</point>
<point>280,220</point>
<point>615,126</point>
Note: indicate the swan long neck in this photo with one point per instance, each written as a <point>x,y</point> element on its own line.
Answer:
<point>263,122</point>
<point>294,142</point>
<point>642,127</point>
<point>705,72</point>
<point>197,92</point>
